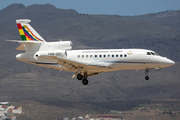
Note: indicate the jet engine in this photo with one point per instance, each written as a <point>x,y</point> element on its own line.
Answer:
<point>57,53</point>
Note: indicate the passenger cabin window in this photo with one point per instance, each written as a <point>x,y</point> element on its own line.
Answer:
<point>108,55</point>
<point>78,56</point>
<point>125,55</point>
<point>90,56</point>
<point>95,56</point>
<point>86,56</point>
<point>82,56</point>
<point>104,56</point>
<point>112,55</point>
<point>100,56</point>
<point>116,55</point>
<point>120,55</point>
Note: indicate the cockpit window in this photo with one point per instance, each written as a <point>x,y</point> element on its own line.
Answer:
<point>156,53</point>
<point>148,53</point>
<point>152,53</point>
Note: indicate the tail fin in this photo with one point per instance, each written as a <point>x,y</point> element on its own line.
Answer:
<point>27,33</point>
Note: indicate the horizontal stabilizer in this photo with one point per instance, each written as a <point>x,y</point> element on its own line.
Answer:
<point>19,41</point>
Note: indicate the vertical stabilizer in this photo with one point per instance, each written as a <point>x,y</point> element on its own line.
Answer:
<point>27,33</point>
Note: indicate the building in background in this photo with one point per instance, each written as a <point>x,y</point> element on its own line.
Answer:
<point>8,112</point>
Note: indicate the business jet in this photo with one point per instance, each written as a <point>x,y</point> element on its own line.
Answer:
<point>84,63</point>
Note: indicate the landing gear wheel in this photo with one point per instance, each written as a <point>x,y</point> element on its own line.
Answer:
<point>85,81</point>
<point>79,77</point>
<point>147,77</point>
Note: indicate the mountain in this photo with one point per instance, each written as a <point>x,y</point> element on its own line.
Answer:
<point>21,81</point>
<point>169,18</point>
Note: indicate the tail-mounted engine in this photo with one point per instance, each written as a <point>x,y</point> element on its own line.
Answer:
<point>45,49</point>
<point>58,53</point>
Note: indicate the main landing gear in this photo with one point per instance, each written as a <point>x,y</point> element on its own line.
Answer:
<point>80,77</point>
<point>146,73</point>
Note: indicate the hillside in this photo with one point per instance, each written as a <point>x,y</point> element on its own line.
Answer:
<point>21,81</point>
<point>36,83</point>
<point>169,18</point>
<point>131,109</point>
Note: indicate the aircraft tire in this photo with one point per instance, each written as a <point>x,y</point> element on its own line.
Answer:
<point>147,77</point>
<point>85,81</point>
<point>79,77</point>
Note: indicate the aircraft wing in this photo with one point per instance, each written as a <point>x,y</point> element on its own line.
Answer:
<point>65,62</point>
<point>72,65</point>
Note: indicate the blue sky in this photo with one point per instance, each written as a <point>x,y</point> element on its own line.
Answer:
<point>111,7</point>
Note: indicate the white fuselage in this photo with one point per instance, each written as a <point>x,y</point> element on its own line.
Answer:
<point>114,59</point>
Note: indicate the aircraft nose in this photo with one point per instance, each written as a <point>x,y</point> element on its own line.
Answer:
<point>170,62</point>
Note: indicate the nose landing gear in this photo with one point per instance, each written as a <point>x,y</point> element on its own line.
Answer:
<point>147,77</point>
<point>146,73</point>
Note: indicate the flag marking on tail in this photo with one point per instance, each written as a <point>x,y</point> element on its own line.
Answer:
<point>26,33</point>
